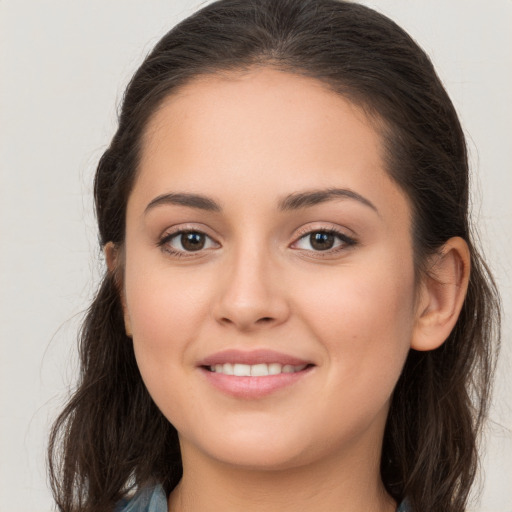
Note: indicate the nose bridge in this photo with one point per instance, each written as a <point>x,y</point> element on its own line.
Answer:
<point>251,295</point>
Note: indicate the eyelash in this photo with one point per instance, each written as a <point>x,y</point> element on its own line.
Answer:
<point>346,241</point>
<point>164,241</point>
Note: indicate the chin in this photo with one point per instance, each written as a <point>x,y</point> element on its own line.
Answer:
<point>258,459</point>
<point>262,449</point>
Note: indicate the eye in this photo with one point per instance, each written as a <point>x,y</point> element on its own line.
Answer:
<point>323,240</point>
<point>187,241</point>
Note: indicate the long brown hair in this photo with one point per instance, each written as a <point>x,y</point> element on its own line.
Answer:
<point>111,437</point>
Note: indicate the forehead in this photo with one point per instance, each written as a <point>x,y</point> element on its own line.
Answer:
<point>261,130</point>
<point>254,99</point>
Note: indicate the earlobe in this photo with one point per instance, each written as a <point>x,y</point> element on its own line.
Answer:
<point>112,258</point>
<point>441,295</point>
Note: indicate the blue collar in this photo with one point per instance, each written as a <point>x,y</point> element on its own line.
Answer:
<point>153,499</point>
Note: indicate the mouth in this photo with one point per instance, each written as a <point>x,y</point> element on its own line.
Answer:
<point>254,374</point>
<point>255,370</point>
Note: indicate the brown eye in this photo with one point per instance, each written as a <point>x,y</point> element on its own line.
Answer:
<point>321,241</point>
<point>192,241</point>
<point>183,242</point>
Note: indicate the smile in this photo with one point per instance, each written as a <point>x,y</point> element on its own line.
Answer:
<point>255,370</point>
<point>255,374</point>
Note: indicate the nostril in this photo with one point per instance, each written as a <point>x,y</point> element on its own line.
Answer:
<point>248,323</point>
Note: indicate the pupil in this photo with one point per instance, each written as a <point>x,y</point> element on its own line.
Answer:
<point>322,241</point>
<point>192,241</point>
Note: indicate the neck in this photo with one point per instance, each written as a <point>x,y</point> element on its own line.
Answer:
<point>334,484</point>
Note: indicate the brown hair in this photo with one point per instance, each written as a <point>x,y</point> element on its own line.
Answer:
<point>111,437</point>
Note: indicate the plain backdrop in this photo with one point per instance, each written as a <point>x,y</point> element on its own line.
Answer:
<point>63,67</point>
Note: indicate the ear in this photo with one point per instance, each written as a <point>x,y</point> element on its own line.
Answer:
<point>441,295</point>
<point>113,258</point>
<point>111,253</point>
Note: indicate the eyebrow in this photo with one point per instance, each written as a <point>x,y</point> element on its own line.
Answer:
<point>185,199</point>
<point>295,201</point>
<point>309,198</point>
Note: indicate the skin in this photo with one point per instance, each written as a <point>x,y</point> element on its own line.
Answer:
<point>247,141</point>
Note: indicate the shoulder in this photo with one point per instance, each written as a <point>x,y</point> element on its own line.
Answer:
<point>150,499</point>
<point>404,507</point>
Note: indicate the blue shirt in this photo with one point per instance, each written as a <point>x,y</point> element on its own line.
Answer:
<point>153,499</point>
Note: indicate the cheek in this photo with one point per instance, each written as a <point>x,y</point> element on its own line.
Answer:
<point>365,326</point>
<point>364,316</point>
<point>164,305</point>
<point>165,309</point>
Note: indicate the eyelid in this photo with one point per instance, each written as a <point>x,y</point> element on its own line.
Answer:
<point>185,227</point>
<point>348,240</point>
<point>312,227</point>
<point>175,231</point>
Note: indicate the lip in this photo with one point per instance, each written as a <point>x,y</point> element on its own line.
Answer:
<point>252,357</point>
<point>251,388</point>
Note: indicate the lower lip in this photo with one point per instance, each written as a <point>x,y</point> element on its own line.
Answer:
<point>253,387</point>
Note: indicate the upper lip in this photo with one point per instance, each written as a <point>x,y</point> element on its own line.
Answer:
<point>252,357</point>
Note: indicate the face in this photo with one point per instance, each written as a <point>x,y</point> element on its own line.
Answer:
<point>268,271</point>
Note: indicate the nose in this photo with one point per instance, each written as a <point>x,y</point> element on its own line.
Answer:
<point>252,295</point>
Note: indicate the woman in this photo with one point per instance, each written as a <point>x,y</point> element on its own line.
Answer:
<point>294,316</point>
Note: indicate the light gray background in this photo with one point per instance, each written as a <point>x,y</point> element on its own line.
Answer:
<point>63,67</point>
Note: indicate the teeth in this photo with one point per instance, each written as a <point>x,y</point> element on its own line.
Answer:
<point>242,370</point>
<point>274,368</point>
<point>259,370</point>
<point>255,370</point>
